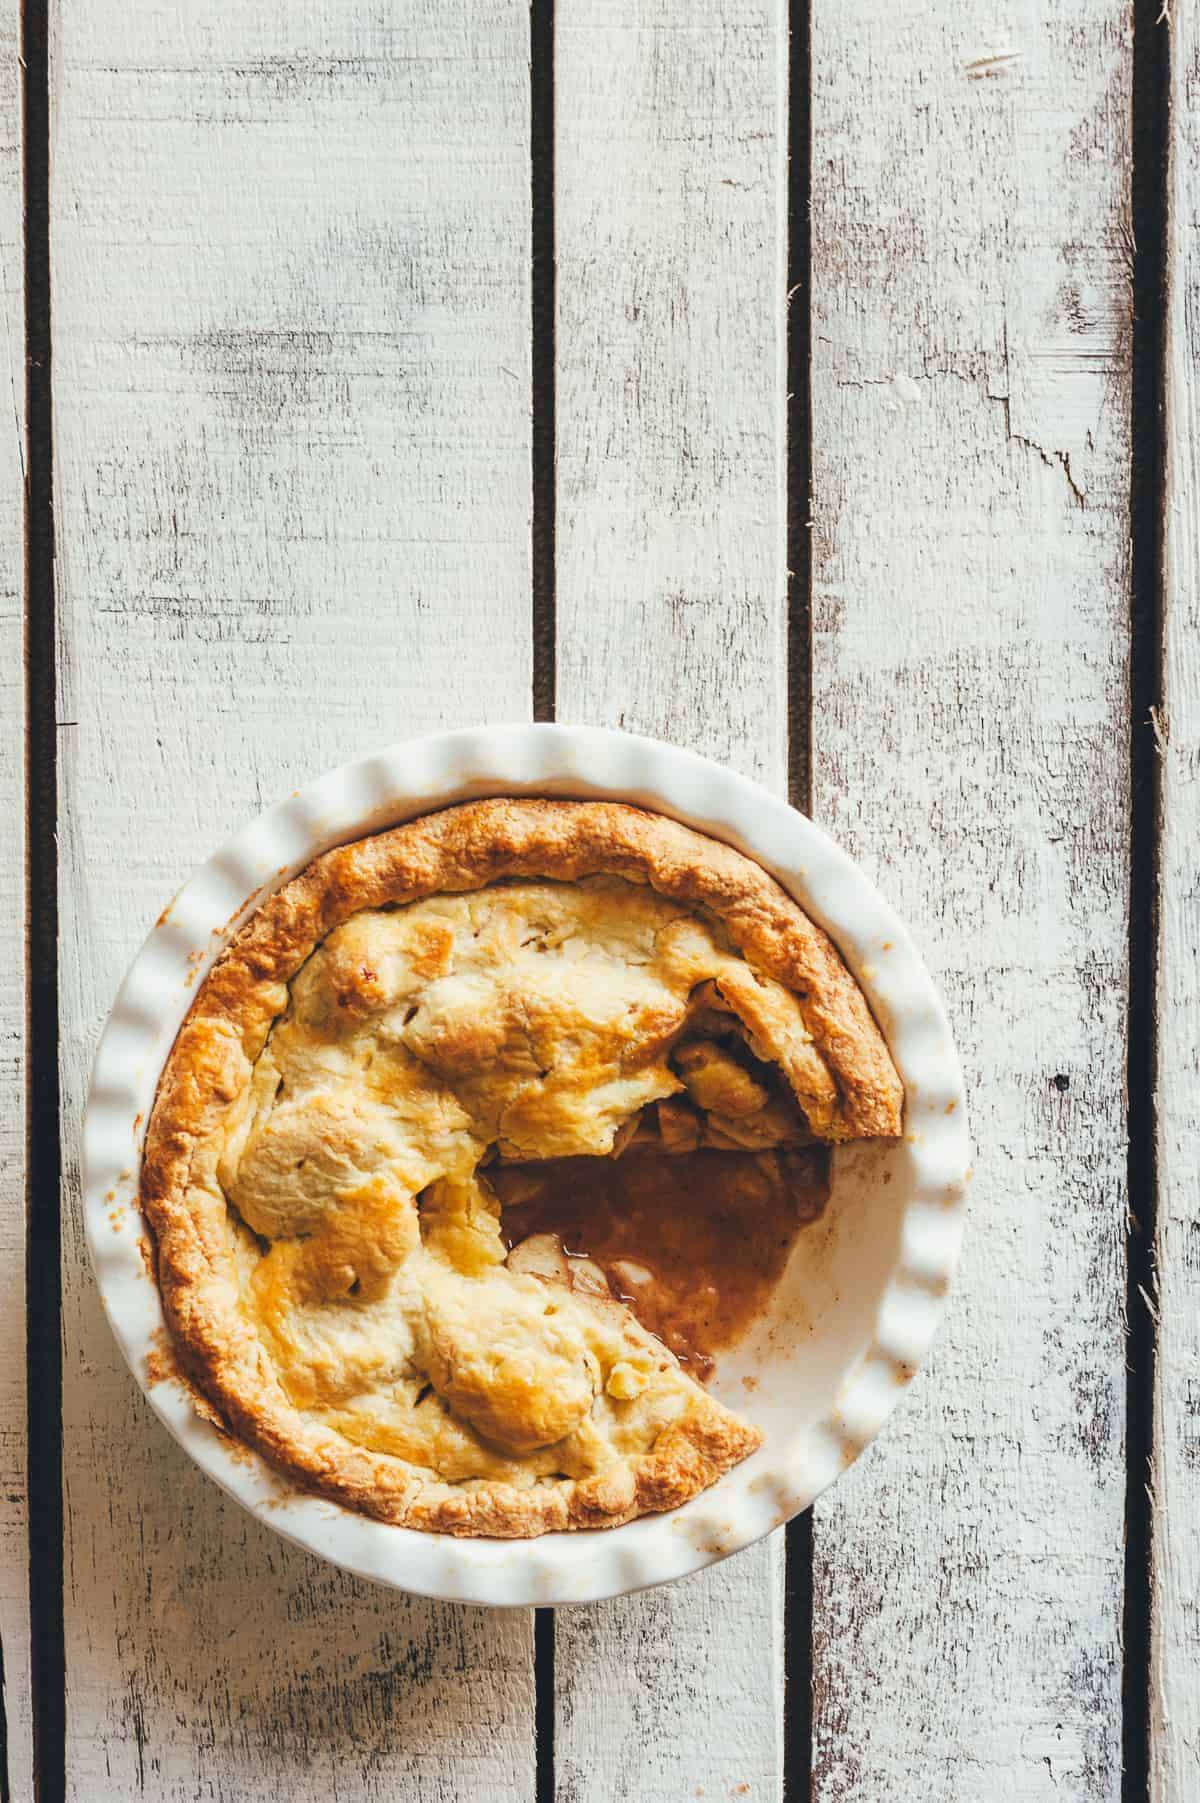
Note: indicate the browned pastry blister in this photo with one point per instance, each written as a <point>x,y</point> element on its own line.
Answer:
<point>500,983</point>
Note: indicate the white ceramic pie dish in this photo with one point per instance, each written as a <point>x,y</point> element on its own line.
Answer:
<point>862,1295</point>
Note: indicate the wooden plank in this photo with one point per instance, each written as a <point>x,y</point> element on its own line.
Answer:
<point>16,1760</point>
<point>290,260</point>
<point>970,392</point>
<point>671,192</point>
<point>1175,1672</point>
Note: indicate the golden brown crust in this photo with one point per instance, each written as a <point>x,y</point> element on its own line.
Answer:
<point>839,1068</point>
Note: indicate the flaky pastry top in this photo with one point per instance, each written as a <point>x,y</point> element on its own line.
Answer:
<point>503,981</point>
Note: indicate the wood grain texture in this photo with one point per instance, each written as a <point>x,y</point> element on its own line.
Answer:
<point>290,262</point>
<point>671,190</point>
<point>970,392</point>
<point>16,1759</point>
<point>1175,1673</point>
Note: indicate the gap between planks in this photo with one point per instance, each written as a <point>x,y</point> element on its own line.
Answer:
<point>798,1545</point>
<point>43,1243</point>
<point>542,498</point>
<point>542,292</point>
<point>1148,209</point>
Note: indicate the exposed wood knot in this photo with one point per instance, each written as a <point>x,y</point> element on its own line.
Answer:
<point>990,64</point>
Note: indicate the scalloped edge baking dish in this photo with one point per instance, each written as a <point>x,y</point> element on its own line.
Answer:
<point>798,1461</point>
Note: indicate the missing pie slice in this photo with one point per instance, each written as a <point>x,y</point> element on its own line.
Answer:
<point>405,1038</point>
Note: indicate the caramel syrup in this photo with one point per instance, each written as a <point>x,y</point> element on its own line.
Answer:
<point>694,1243</point>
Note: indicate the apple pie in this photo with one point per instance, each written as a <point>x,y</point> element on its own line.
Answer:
<point>401,1042</point>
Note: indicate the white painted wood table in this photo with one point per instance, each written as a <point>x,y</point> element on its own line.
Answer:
<point>786,387</point>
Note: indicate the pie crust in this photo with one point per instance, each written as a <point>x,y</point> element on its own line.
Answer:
<point>512,979</point>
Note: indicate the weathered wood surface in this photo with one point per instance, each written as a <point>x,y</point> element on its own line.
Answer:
<point>1175,1699</point>
<point>291,308</point>
<point>292,369</point>
<point>970,392</point>
<point>15,1705</point>
<point>670,190</point>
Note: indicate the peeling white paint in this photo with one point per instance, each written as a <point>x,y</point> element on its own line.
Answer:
<point>970,719</point>
<point>291,288</point>
<point>671,239</point>
<point>1175,1719</point>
